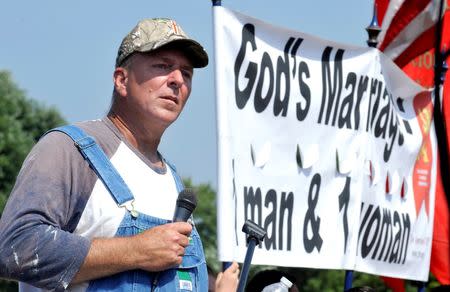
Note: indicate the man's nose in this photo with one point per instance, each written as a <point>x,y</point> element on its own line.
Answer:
<point>176,78</point>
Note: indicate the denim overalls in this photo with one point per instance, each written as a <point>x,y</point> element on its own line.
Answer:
<point>191,275</point>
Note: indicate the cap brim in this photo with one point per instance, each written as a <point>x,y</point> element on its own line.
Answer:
<point>193,50</point>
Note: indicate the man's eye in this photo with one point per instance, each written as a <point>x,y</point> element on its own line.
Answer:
<point>162,66</point>
<point>187,74</point>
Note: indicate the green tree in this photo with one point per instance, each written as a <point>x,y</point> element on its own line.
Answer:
<point>205,220</point>
<point>22,122</point>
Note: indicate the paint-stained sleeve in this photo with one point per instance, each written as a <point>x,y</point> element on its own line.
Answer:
<point>37,243</point>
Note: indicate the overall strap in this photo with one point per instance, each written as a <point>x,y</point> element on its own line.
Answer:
<point>101,165</point>
<point>178,181</point>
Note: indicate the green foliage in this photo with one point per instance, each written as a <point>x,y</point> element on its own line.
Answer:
<point>22,121</point>
<point>8,286</point>
<point>205,221</point>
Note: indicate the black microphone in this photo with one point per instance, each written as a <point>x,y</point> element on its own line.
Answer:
<point>186,203</point>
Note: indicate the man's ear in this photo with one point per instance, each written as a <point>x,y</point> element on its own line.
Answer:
<point>120,79</point>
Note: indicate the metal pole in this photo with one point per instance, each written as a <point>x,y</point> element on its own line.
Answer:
<point>246,266</point>
<point>373,30</point>
<point>225,265</point>
<point>440,68</point>
<point>348,280</point>
<point>255,235</point>
<point>439,118</point>
<point>421,287</point>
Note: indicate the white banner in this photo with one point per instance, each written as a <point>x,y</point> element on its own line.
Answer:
<point>327,147</point>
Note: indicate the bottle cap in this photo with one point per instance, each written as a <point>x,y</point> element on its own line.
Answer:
<point>286,282</point>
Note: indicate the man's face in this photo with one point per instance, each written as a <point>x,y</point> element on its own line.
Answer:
<point>158,86</point>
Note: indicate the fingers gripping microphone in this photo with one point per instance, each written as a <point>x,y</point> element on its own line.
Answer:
<point>186,203</point>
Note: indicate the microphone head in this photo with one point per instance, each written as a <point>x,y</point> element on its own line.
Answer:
<point>187,199</point>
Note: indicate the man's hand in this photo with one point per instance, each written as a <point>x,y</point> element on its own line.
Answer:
<point>155,249</point>
<point>162,247</point>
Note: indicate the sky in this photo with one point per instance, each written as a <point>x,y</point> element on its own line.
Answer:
<point>62,54</point>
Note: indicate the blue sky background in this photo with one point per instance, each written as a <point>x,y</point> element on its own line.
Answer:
<point>62,54</point>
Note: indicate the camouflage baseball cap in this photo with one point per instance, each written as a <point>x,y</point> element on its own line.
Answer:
<point>151,34</point>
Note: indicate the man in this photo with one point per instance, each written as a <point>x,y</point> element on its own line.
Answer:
<point>62,227</point>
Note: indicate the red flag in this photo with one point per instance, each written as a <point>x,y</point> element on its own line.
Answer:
<point>440,254</point>
<point>407,28</point>
<point>412,47</point>
<point>397,285</point>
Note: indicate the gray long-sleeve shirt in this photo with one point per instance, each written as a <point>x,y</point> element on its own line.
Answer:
<point>58,205</point>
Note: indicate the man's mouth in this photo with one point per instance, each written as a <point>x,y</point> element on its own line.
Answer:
<point>171,98</point>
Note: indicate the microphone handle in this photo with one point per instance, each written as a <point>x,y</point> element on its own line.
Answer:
<point>181,215</point>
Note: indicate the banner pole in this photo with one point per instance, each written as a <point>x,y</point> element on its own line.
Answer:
<point>421,287</point>
<point>348,280</point>
<point>438,115</point>
<point>225,265</point>
<point>439,119</point>
<point>374,29</point>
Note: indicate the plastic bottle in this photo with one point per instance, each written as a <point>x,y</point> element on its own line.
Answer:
<point>282,286</point>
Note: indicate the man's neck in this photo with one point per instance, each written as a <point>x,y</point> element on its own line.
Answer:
<point>144,142</point>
